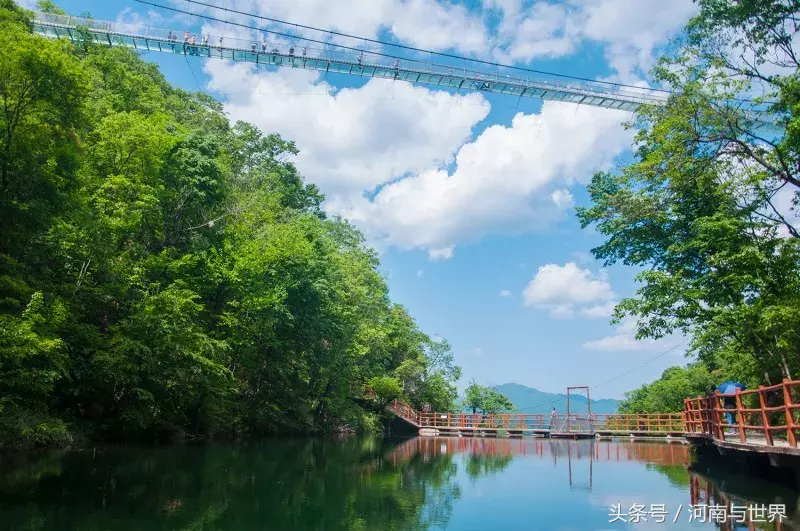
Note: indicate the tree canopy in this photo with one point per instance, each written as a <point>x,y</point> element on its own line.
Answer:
<point>708,206</point>
<point>478,397</point>
<point>165,272</point>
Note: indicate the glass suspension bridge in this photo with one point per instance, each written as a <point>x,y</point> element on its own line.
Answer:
<point>334,59</point>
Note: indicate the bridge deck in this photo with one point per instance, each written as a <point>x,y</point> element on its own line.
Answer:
<point>327,59</point>
<point>764,420</point>
<point>767,429</point>
<point>330,58</point>
<point>574,425</point>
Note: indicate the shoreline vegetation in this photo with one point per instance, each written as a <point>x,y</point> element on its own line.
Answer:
<point>166,274</point>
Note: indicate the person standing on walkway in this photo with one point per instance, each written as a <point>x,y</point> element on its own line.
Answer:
<point>729,389</point>
<point>552,418</point>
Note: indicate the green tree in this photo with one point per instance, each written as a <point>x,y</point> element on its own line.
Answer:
<point>487,400</point>
<point>166,273</point>
<point>666,394</point>
<point>697,208</point>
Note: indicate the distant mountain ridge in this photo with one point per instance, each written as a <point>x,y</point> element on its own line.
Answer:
<point>530,400</point>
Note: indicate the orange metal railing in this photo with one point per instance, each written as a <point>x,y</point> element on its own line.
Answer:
<point>764,416</point>
<point>405,412</point>
<point>573,423</point>
<point>663,423</point>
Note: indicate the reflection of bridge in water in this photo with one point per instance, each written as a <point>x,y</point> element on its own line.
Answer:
<point>591,451</point>
<point>673,459</point>
<point>603,450</point>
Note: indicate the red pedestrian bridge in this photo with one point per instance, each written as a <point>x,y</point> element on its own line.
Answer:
<point>762,420</point>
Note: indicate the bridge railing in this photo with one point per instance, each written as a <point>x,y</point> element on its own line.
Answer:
<point>764,416</point>
<point>573,423</point>
<point>405,412</point>
<point>375,62</point>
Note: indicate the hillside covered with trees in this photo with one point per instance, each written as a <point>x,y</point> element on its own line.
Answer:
<point>164,272</point>
<point>708,207</point>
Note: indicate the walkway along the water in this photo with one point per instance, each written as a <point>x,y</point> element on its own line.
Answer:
<point>519,424</point>
<point>765,424</point>
<point>765,421</point>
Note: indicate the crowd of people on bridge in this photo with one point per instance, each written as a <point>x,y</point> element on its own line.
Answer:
<point>192,46</point>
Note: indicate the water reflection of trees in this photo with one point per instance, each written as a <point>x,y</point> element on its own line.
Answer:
<point>481,465</point>
<point>720,486</point>
<point>354,484</point>
<point>284,485</point>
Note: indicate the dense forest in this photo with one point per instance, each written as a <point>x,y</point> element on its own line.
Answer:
<point>165,273</point>
<point>708,208</point>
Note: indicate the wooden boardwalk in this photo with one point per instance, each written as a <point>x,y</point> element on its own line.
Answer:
<point>763,420</point>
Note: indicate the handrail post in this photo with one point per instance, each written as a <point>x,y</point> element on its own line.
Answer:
<point>764,416</point>
<point>719,433</point>
<point>740,415</point>
<point>787,407</point>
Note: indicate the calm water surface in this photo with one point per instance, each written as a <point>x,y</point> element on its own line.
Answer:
<point>366,484</point>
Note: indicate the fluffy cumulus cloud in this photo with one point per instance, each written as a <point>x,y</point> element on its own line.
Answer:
<point>409,165</point>
<point>428,24</point>
<point>560,288</point>
<point>509,179</point>
<point>351,139</point>
<point>629,30</point>
<point>600,310</point>
<point>624,339</point>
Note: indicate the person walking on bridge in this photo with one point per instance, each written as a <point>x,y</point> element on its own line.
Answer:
<point>552,419</point>
<point>728,389</point>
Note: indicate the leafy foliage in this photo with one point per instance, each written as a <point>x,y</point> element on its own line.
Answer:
<point>706,206</point>
<point>666,394</point>
<point>166,273</point>
<point>478,397</point>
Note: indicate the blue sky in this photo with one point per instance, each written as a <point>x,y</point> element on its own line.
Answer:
<point>469,198</point>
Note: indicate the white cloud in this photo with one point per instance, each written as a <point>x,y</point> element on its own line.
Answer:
<point>135,18</point>
<point>559,288</point>
<point>351,140</point>
<point>543,30</point>
<point>436,25</point>
<point>630,30</point>
<point>600,310</point>
<point>503,181</point>
<point>505,293</point>
<point>562,198</point>
<point>421,23</point>
<point>624,339</point>
<point>442,253</point>
<point>562,311</point>
<point>398,160</point>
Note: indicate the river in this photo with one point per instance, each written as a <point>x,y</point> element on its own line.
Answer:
<point>361,484</point>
